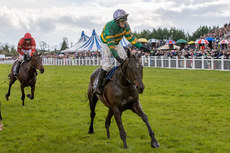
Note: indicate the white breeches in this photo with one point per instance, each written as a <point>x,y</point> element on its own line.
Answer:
<point>106,55</point>
<point>26,52</point>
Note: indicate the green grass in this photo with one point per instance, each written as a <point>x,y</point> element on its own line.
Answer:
<point>188,110</point>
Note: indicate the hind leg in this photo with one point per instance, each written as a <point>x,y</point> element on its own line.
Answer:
<point>12,80</point>
<point>31,96</point>
<point>92,102</point>
<point>108,121</point>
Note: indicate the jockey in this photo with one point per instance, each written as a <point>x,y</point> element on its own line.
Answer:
<point>111,35</point>
<point>26,48</point>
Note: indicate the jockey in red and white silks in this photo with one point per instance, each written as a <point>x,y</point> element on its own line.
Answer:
<point>26,46</point>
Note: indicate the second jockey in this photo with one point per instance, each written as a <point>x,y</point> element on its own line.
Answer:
<point>26,48</point>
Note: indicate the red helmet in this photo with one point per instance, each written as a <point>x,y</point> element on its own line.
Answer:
<point>27,36</point>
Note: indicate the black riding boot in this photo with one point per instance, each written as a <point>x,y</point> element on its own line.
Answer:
<point>98,89</point>
<point>17,68</point>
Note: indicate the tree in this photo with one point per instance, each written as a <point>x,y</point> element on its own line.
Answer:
<point>202,31</point>
<point>64,43</point>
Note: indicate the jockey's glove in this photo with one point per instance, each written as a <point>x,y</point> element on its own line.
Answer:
<point>120,60</point>
<point>145,49</point>
<point>26,57</point>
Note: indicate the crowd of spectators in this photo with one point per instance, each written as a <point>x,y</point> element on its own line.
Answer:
<point>213,49</point>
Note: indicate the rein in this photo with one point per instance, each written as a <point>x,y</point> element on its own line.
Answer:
<point>127,79</point>
<point>130,81</point>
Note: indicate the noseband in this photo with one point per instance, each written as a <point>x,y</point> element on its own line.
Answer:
<point>130,81</point>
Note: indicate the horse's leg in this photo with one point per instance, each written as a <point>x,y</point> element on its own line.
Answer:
<point>138,110</point>
<point>31,96</point>
<point>108,121</point>
<point>23,94</point>
<point>12,80</point>
<point>117,115</point>
<point>92,102</point>
<point>1,125</point>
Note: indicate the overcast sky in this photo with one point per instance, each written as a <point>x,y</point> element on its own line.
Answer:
<point>51,20</point>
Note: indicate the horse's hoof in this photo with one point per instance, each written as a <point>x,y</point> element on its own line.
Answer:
<point>155,144</point>
<point>7,97</point>
<point>91,132</point>
<point>29,96</point>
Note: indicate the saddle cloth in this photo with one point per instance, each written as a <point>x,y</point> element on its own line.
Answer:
<point>108,76</point>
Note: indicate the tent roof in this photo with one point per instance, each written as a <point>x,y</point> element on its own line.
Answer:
<point>93,44</point>
<point>81,41</point>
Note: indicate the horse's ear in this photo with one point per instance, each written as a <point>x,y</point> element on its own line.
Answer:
<point>40,54</point>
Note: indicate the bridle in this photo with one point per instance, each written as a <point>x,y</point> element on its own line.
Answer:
<point>32,64</point>
<point>130,81</point>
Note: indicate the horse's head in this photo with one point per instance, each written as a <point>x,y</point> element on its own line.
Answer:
<point>36,62</point>
<point>134,70</point>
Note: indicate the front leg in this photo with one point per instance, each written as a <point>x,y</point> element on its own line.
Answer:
<point>23,94</point>
<point>117,115</point>
<point>108,121</point>
<point>138,110</point>
<point>31,96</point>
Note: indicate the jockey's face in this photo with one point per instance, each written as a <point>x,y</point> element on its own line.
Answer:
<point>122,22</point>
<point>27,41</point>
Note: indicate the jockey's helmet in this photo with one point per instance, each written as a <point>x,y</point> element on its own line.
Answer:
<point>27,36</point>
<point>120,15</point>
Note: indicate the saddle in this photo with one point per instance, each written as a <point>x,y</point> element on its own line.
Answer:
<point>108,76</point>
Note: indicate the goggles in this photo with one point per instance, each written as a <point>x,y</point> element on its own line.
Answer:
<point>27,39</point>
<point>123,20</point>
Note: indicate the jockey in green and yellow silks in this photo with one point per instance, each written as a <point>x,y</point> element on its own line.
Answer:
<point>111,36</point>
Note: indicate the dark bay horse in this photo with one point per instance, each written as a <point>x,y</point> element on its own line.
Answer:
<point>120,94</point>
<point>26,75</point>
<point>1,125</point>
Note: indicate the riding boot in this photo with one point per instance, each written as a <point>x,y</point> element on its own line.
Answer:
<point>99,87</point>
<point>17,68</point>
